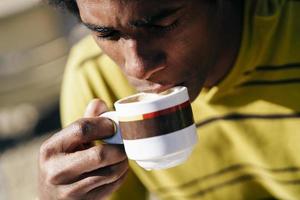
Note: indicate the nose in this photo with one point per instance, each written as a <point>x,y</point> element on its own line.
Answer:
<point>142,60</point>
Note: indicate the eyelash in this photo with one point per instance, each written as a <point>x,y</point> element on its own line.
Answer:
<point>162,29</point>
<point>111,36</point>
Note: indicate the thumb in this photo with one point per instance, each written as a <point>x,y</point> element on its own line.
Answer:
<point>95,108</point>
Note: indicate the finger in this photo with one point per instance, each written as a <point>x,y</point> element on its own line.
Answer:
<point>94,180</point>
<point>105,191</point>
<point>95,108</point>
<point>66,169</point>
<point>80,132</point>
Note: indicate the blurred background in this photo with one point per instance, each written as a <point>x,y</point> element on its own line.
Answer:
<point>34,43</point>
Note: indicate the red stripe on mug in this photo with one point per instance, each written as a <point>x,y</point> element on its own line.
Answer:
<point>166,111</point>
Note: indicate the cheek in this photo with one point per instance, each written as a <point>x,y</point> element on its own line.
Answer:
<point>195,47</point>
<point>183,56</point>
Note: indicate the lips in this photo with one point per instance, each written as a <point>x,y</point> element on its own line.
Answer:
<point>180,84</point>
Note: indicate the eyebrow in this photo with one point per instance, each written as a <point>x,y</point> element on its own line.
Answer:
<point>138,23</point>
<point>156,17</point>
<point>98,28</point>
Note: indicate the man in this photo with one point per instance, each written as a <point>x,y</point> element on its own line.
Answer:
<point>239,60</point>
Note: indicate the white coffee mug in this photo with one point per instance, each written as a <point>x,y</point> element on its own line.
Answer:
<point>157,130</point>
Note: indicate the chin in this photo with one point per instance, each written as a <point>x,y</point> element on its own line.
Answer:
<point>193,95</point>
<point>194,91</point>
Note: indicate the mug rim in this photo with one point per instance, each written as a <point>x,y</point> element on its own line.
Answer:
<point>180,89</point>
<point>152,105</point>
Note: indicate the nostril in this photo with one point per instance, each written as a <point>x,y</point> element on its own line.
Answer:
<point>135,69</point>
<point>143,70</point>
<point>152,72</point>
<point>142,61</point>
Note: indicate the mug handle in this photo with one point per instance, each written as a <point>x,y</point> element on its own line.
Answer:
<point>116,138</point>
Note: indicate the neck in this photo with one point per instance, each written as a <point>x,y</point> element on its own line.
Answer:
<point>229,34</point>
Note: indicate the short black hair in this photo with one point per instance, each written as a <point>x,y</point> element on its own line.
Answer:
<point>69,5</point>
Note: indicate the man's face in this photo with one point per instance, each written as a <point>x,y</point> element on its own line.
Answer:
<point>158,43</point>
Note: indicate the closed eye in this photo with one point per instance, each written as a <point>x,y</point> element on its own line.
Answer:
<point>112,35</point>
<point>115,35</point>
<point>164,28</point>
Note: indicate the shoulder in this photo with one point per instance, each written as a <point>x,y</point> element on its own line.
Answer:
<point>265,8</point>
<point>85,50</point>
<point>75,90</point>
<point>89,74</point>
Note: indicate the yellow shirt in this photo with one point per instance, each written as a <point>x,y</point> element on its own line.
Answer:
<point>248,125</point>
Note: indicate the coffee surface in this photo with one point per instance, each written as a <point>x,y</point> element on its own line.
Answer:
<point>147,96</point>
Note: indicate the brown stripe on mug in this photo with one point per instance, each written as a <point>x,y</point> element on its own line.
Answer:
<point>158,125</point>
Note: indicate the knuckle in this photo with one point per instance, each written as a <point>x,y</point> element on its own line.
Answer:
<point>52,174</point>
<point>83,127</point>
<point>45,151</point>
<point>102,105</point>
<point>51,177</point>
<point>65,194</point>
<point>96,155</point>
<point>53,180</point>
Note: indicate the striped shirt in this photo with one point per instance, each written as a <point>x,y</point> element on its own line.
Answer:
<point>248,125</point>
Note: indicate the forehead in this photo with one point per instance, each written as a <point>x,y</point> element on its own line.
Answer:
<point>118,11</point>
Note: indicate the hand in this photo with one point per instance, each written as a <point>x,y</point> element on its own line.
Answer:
<point>70,168</point>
